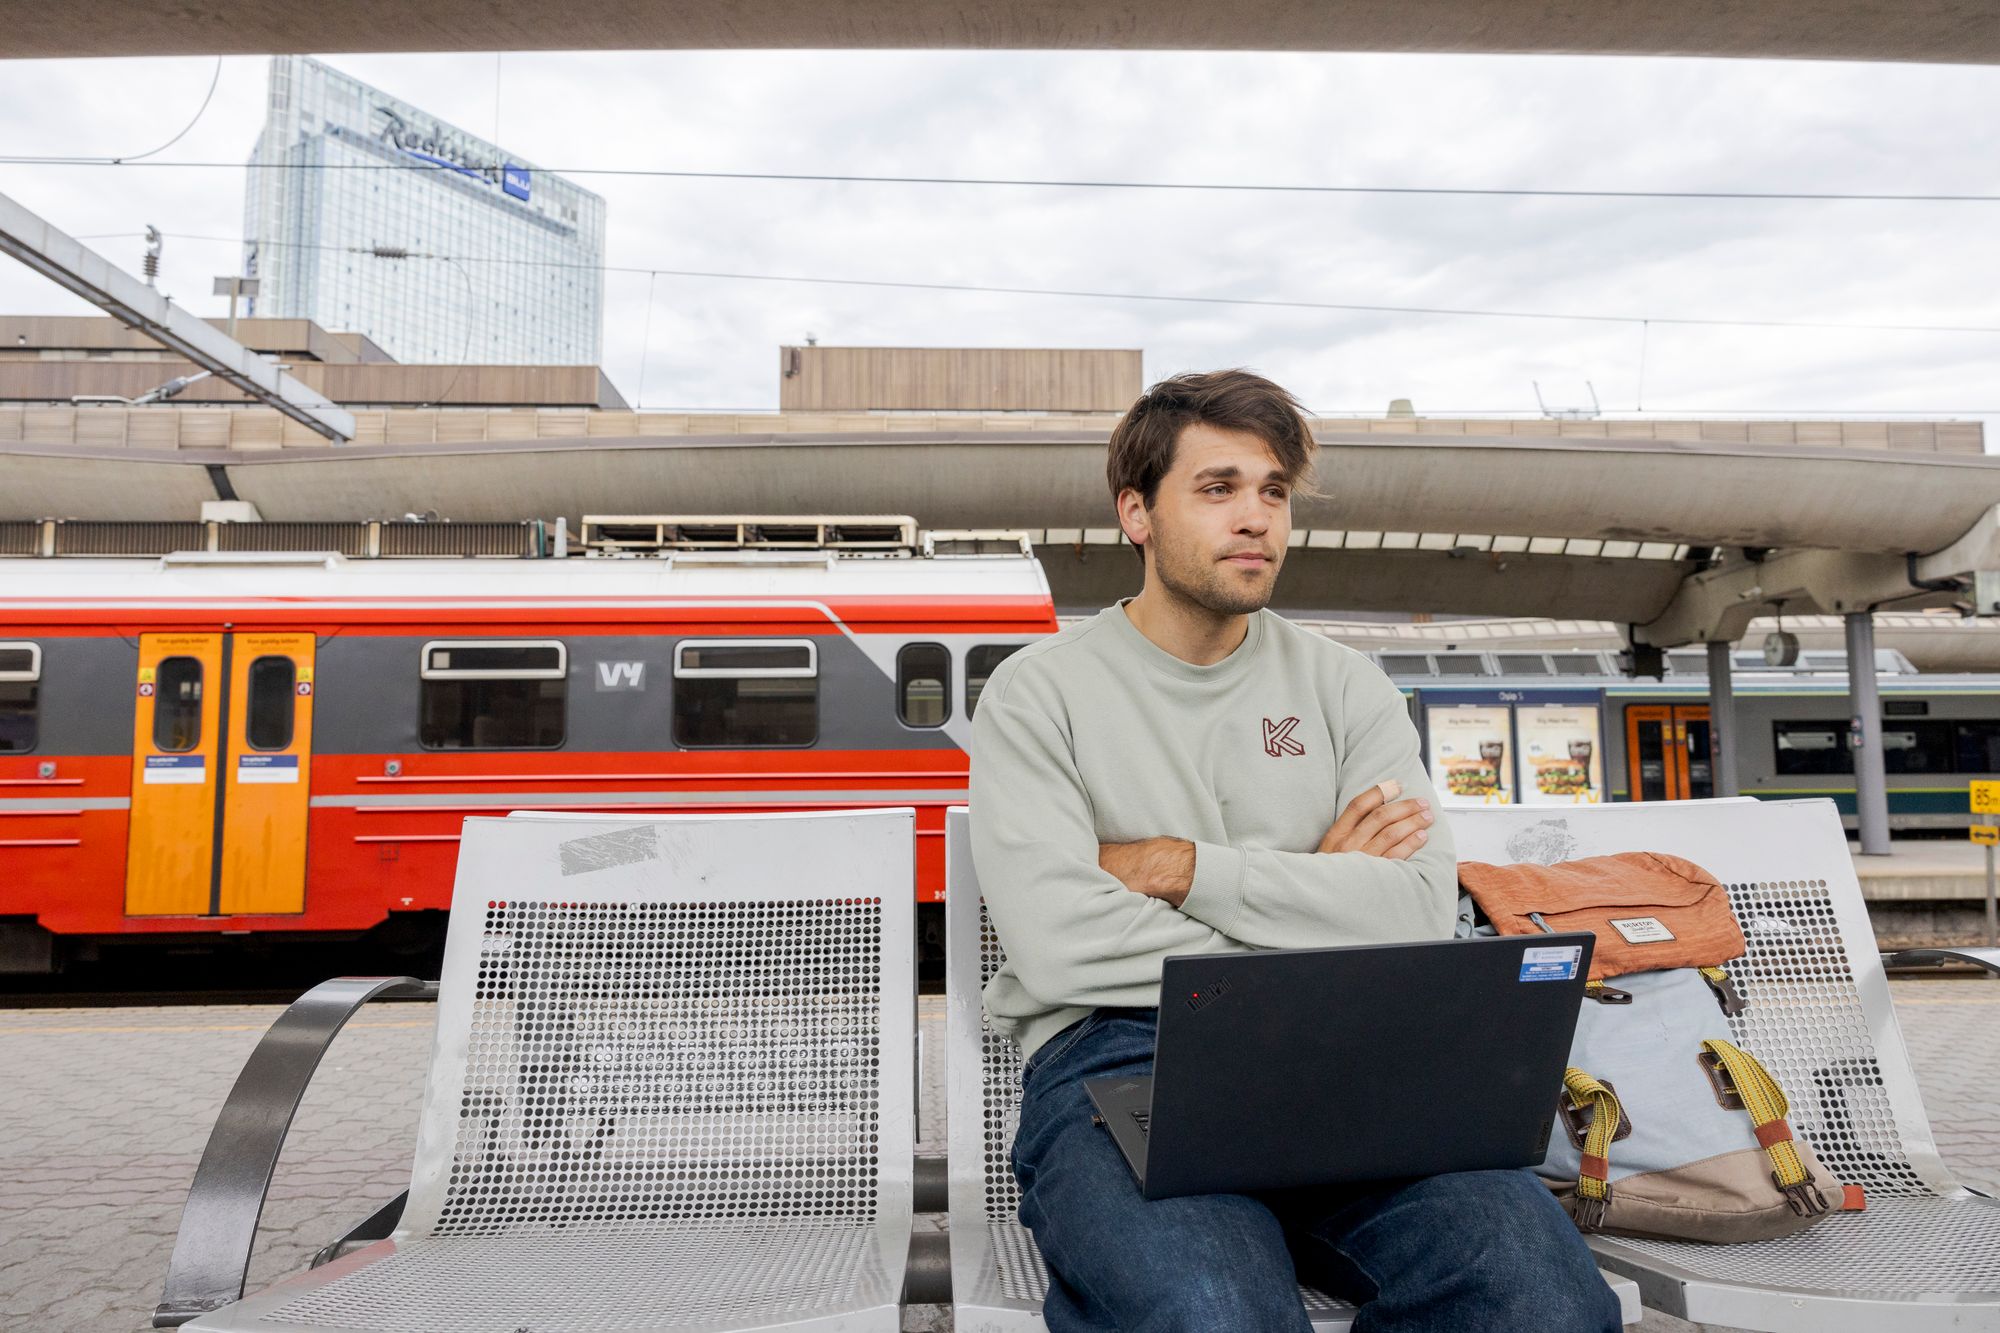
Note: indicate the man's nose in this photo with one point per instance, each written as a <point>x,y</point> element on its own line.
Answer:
<point>1252,518</point>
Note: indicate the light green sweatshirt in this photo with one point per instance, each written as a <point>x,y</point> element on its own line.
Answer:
<point>1097,734</point>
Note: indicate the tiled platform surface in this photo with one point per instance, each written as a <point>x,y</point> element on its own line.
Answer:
<point>103,1113</point>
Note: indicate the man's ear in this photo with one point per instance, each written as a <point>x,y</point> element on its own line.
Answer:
<point>1133,517</point>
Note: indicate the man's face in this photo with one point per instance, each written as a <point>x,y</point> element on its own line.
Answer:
<point>1220,522</point>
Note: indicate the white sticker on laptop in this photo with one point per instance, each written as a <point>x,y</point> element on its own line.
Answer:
<point>1551,962</point>
<point>1642,929</point>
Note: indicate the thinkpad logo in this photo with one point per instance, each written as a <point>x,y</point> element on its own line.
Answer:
<point>1278,738</point>
<point>1207,995</point>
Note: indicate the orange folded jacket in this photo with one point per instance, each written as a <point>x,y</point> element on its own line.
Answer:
<point>1647,909</point>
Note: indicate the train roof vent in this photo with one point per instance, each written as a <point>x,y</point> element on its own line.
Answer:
<point>960,543</point>
<point>346,538</point>
<point>1405,664</point>
<point>513,540</point>
<point>617,534</point>
<point>1461,664</point>
<point>75,537</point>
<point>1580,664</point>
<point>20,538</point>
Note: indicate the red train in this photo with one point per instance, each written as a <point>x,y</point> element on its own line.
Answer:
<point>285,743</point>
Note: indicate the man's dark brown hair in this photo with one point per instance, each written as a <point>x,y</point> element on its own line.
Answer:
<point>1143,442</point>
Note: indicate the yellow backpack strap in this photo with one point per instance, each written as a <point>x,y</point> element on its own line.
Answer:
<point>1765,1102</point>
<point>1593,1181</point>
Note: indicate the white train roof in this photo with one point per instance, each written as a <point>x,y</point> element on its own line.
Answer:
<point>263,576</point>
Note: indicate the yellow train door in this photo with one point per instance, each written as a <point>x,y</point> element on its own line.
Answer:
<point>221,771</point>
<point>268,763</point>
<point>170,855</point>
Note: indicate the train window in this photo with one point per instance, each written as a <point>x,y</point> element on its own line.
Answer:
<point>1978,746</point>
<point>494,659</point>
<point>923,684</point>
<point>1812,747</point>
<point>1577,664</point>
<point>1916,747</point>
<point>738,693</point>
<point>1406,664</point>
<point>177,705</point>
<point>268,724</point>
<point>493,694</point>
<point>980,662</point>
<point>20,684</point>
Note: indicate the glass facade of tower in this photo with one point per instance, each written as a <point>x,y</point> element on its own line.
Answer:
<point>520,281</point>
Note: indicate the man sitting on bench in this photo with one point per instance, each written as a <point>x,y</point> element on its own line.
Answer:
<point>1160,780</point>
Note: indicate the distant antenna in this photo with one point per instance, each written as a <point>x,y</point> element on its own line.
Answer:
<point>1590,413</point>
<point>152,262</point>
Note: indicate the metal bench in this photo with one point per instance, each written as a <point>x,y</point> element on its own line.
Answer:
<point>998,1279</point>
<point>1925,1254</point>
<point>670,1089</point>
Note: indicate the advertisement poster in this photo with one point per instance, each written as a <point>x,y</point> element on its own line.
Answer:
<point>1562,762</point>
<point>1470,763</point>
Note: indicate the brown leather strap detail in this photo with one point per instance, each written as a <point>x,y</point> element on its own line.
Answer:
<point>1852,1199</point>
<point>1597,1168</point>
<point>1773,1132</point>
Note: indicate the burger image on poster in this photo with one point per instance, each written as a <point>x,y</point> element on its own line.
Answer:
<point>1469,748</point>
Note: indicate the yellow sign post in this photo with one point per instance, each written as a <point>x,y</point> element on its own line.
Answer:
<point>1985,800</point>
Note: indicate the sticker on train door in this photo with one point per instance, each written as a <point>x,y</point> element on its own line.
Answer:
<point>170,768</point>
<point>267,768</point>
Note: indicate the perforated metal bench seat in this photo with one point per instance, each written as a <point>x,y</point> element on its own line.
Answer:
<point>787,1276</point>
<point>998,1279</point>
<point>1925,1254</point>
<point>670,1088</point>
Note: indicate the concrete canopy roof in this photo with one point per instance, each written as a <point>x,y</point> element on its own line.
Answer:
<point>1463,510</point>
<point>1956,31</point>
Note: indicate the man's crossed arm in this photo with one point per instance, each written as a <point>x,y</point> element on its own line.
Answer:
<point>1373,824</point>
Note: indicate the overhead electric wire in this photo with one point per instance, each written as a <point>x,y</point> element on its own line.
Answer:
<point>1093,295</point>
<point>1058,183</point>
<point>136,159</point>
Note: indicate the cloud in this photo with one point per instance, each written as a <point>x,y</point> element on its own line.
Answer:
<point>1471,121</point>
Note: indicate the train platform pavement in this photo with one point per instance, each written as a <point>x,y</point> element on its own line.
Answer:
<point>1923,869</point>
<point>104,1112</point>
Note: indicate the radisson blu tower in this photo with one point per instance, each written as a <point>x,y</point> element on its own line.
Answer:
<point>345,179</point>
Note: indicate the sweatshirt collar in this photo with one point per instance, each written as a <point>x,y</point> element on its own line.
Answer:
<point>1229,668</point>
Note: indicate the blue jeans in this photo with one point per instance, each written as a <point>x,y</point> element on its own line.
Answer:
<point>1476,1250</point>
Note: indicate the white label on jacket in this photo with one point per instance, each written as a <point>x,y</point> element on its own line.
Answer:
<point>1642,929</point>
<point>1550,962</point>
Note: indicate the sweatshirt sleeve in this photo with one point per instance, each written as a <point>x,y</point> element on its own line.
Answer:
<point>1074,934</point>
<point>1276,899</point>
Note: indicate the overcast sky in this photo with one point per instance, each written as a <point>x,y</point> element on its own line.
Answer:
<point>1315,119</point>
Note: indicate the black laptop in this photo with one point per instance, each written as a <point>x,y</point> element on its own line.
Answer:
<point>1320,1066</point>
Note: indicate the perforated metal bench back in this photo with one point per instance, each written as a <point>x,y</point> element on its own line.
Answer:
<point>668,1022</point>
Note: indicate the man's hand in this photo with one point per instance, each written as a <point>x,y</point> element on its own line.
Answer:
<point>1160,868</point>
<point>1377,825</point>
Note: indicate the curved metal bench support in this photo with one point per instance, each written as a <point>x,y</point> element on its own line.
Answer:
<point>219,1222</point>
<point>1986,958</point>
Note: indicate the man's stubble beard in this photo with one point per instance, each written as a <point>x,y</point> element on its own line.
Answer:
<point>1190,575</point>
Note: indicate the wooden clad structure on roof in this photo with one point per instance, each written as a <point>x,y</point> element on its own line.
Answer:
<point>957,379</point>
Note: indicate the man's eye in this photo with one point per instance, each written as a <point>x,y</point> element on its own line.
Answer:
<point>1207,490</point>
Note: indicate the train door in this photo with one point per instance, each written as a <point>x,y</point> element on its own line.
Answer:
<point>1670,749</point>
<point>219,774</point>
<point>269,763</point>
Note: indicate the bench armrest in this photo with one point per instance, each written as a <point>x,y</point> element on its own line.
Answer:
<point>1986,958</point>
<point>219,1223</point>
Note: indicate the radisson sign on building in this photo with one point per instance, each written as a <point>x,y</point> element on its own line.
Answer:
<point>342,169</point>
